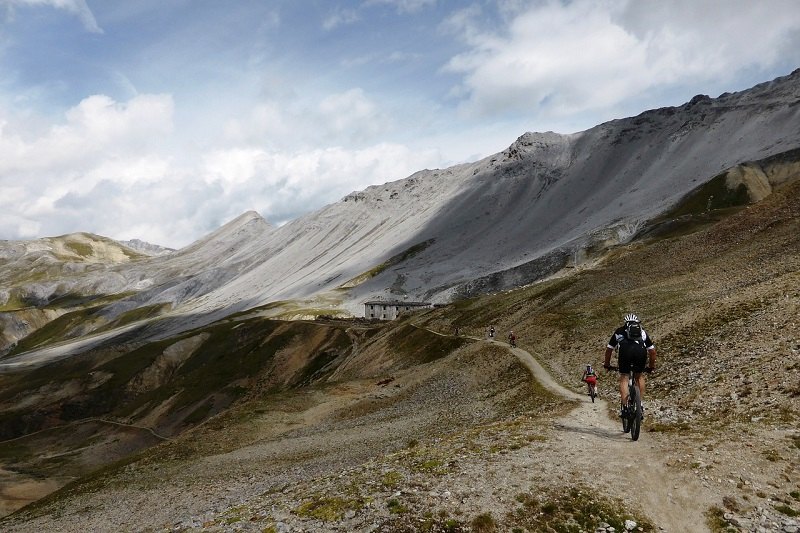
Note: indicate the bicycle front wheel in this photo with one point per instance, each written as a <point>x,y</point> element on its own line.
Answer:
<point>636,418</point>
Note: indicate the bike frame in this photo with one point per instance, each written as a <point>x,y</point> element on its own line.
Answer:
<point>633,421</point>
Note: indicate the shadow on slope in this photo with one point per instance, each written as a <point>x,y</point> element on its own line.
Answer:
<point>63,419</point>
<point>719,298</point>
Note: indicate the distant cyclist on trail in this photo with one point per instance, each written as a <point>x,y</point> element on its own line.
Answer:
<point>636,351</point>
<point>512,339</point>
<point>491,332</point>
<point>590,376</point>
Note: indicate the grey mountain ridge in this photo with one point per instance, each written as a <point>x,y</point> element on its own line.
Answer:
<point>146,247</point>
<point>501,222</point>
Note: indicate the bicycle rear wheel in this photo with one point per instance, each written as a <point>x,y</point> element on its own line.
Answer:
<point>636,418</point>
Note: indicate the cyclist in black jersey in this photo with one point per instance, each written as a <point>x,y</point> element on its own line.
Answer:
<point>636,352</point>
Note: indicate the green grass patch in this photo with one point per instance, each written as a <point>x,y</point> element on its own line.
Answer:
<point>15,302</point>
<point>395,506</point>
<point>417,345</point>
<point>788,511</point>
<point>328,509</point>
<point>715,520</point>
<point>772,455</point>
<point>391,479</point>
<point>484,523</point>
<point>137,314</point>
<point>55,330</point>
<point>713,194</point>
<point>80,249</point>
<point>392,261</point>
<point>572,511</point>
<point>430,466</point>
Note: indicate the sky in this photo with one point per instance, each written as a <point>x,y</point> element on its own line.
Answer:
<point>164,119</point>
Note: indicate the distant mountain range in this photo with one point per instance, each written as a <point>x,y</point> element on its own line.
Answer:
<point>548,202</point>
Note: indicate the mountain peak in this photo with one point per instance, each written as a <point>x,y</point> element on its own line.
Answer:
<point>243,228</point>
<point>249,221</point>
<point>248,217</point>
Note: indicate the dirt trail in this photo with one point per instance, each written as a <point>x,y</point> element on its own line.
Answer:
<point>676,501</point>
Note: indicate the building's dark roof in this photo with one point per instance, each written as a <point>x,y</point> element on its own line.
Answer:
<point>397,302</point>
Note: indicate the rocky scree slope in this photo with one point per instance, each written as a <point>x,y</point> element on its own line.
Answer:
<point>523,204</point>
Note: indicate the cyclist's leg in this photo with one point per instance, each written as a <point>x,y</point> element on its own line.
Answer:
<point>623,389</point>
<point>641,382</point>
<point>624,368</point>
<point>638,367</point>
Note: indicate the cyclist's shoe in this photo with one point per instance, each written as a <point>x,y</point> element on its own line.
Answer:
<point>623,412</point>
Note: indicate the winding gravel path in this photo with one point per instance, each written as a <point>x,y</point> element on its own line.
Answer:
<point>674,500</point>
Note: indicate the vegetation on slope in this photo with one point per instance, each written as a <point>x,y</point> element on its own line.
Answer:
<point>392,261</point>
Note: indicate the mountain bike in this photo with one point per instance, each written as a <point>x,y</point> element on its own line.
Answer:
<point>591,383</point>
<point>632,413</point>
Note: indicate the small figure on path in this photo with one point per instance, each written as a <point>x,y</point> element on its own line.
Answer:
<point>512,339</point>
<point>491,332</point>
<point>590,378</point>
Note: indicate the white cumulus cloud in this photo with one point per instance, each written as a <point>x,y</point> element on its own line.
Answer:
<point>559,58</point>
<point>110,167</point>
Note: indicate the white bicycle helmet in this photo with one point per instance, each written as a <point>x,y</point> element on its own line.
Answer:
<point>631,317</point>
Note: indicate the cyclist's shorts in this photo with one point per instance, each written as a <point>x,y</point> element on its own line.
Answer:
<point>591,380</point>
<point>637,362</point>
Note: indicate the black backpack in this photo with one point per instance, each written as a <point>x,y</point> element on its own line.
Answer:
<point>632,344</point>
<point>633,330</point>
